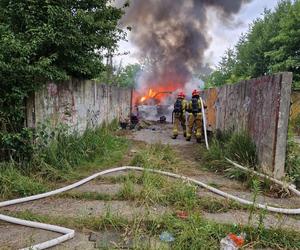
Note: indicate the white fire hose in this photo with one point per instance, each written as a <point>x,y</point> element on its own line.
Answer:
<point>204,123</point>
<point>69,233</point>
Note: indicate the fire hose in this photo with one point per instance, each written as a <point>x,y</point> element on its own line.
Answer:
<point>204,123</point>
<point>69,233</point>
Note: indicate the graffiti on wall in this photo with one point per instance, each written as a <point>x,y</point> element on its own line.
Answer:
<point>93,118</point>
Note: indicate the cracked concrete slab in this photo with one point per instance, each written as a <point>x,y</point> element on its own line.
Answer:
<point>274,221</point>
<point>81,208</point>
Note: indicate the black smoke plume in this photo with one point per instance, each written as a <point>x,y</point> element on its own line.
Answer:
<point>172,34</point>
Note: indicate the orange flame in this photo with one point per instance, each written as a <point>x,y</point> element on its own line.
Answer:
<point>151,94</point>
<point>157,92</point>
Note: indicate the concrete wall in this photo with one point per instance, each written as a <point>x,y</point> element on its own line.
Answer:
<point>261,107</point>
<point>80,104</point>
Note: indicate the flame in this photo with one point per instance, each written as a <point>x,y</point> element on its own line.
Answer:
<point>160,90</point>
<point>151,94</point>
<point>155,94</point>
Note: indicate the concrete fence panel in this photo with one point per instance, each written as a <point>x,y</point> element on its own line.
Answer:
<point>81,104</point>
<point>260,107</point>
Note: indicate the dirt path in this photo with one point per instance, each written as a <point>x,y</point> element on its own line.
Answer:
<point>14,237</point>
<point>189,152</point>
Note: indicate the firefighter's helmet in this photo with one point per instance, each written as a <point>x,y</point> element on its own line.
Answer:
<point>196,92</point>
<point>181,95</point>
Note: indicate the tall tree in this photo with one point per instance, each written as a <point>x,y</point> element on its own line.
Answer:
<point>285,54</point>
<point>50,40</point>
<point>271,45</point>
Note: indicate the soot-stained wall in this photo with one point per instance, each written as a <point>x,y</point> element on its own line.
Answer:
<point>260,106</point>
<point>81,104</point>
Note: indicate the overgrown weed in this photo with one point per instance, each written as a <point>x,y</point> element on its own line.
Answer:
<point>293,159</point>
<point>235,146</point>
<point>59,155</point>
<point>156,156</point>
<point>14,183</point>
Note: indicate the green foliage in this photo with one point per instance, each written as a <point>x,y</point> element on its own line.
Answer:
<point>285,53</point>
<point>271,45</point>
<point>238,147</point>
<point>48,40</point>
<point>193,233</point>
<point>292,163</point>
<point>242,149</point>
<point>121,76</point>
<point>14,183</point>
<point>127,76</point>
<point>127,191</point>
<point>17,146</point>
<point>256,191</point>
<point>198,233</point>
<point>58,155</point>
<point>155,156</point>
<point>295,123</point>
<point>183,195</point>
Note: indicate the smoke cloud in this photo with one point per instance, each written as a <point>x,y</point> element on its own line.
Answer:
<point>172,35</point>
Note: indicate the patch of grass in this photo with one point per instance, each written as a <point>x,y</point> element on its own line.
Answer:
<point>127,191</point>
<point>295,124</point>
<point>108,221</point>
<point>192,233</point>
<point>136,177</point>
<point>235,146</point>
<point>156,156</point>
<point>66,152</point>
<point>242,149</point>
<point>293,160</point>
<point>215,185</point>
<point>153,188</point>
<point>88,196</point>
<point>212,205</point>
<point>156,189</point>
<point>198,233</point>
<point>14,183</point>
<point>182,195</point>
<point>61,156</point>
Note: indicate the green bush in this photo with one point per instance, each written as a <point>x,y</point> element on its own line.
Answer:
<point>292,163</point>
<point>57,154</point>
<point>16,146</point>
<point>63,151</point>
<point>241,148</point>
<point>238,147</point>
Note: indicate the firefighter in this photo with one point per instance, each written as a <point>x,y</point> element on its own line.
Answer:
<point>179,115</point>
<point>194,117</point>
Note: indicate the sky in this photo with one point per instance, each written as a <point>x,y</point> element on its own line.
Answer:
<point>222,36</point>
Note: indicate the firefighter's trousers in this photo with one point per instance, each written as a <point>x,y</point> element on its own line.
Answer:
<point>194,122</point>
<point>179,119</point>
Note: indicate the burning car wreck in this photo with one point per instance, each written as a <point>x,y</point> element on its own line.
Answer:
<point>155,105</point>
